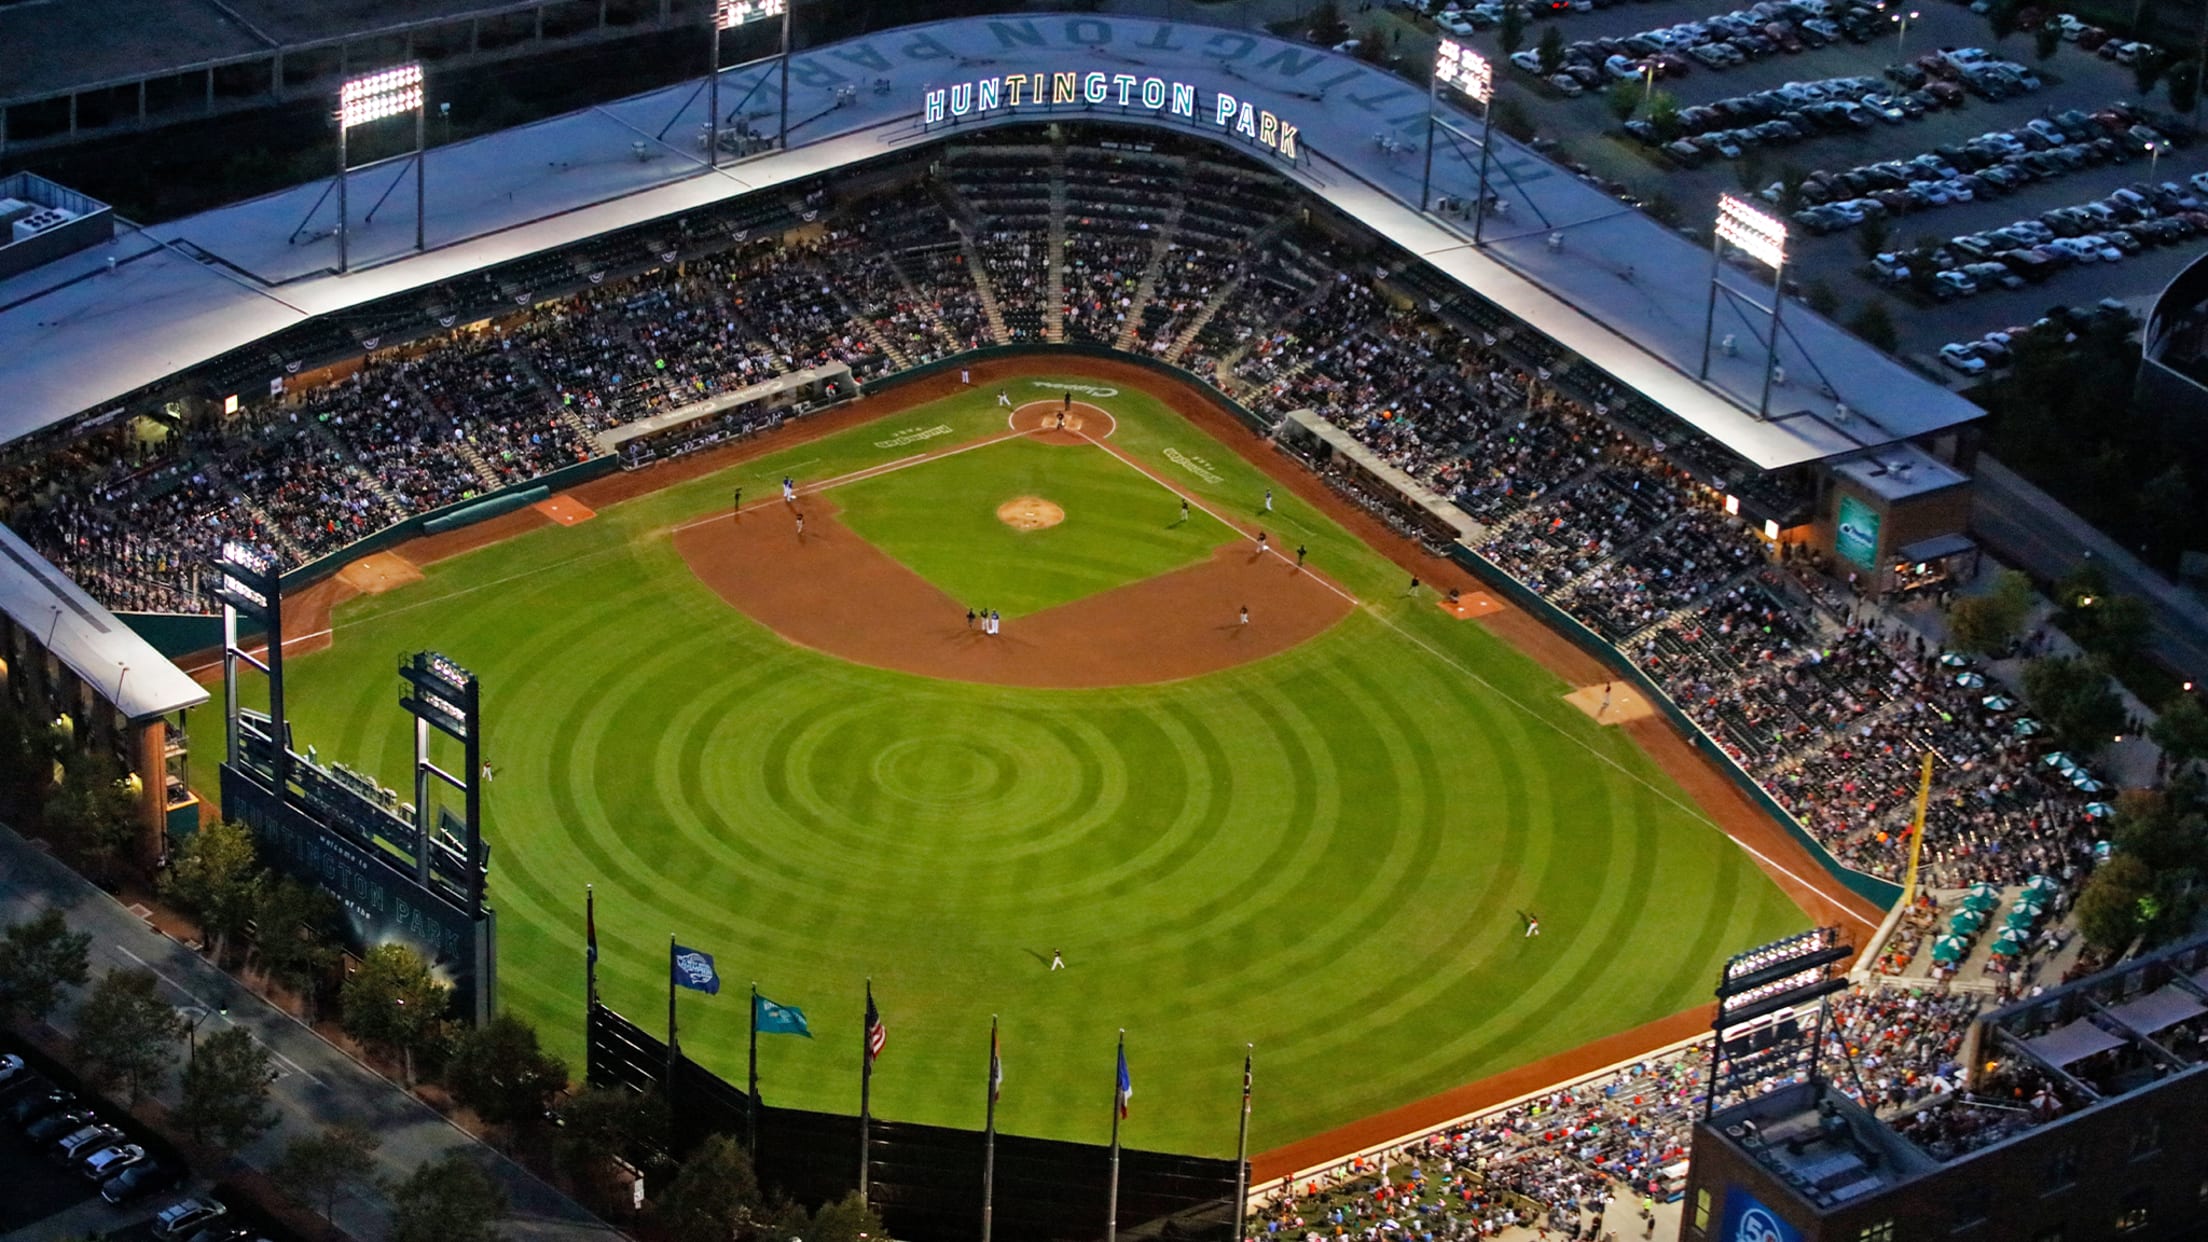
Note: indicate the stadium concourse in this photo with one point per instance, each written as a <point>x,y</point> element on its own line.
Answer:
<point>1620,510</point>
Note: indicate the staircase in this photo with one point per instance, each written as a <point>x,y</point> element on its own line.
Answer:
<point>871,331</point>
<point>1148,285</point>
<point>922,306</point>
<point>1257,245</point>
<point>1054,305</point>
<point>963,222</point>
<point>276,534</point>
<point>478,465</point>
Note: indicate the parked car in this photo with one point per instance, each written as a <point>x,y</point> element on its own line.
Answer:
<point>187,1216</point>
<point>109,1160</point>
<point>60,1122</point>
<point>1960,357</point>
<point>34,1103</point>
<point>83,1140</point>
<point>143,1178</point>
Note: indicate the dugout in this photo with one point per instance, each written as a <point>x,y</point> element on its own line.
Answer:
<point>726,416</point>
<point>97,687</point>
<point>1368,478</point>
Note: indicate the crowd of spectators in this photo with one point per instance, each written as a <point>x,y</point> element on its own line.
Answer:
<point>1827,707</point>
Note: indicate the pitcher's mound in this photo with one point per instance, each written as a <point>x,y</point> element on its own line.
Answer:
<point>1029,513</point>
<point>384,571</point>
<point>1624,703</point>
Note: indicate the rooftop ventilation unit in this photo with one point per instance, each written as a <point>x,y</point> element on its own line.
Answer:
<point>41,220</point>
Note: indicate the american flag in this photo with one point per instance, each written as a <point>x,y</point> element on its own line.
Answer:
<point>877,1035</point>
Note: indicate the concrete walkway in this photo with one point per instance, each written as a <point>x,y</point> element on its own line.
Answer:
<point>318,1083</point>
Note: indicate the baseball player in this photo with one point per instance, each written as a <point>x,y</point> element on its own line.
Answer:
<point>1268,500</point>
<point>1057,960</point>
<point>1261,543</point>
<point>801,525</point>
<point>789,490</point>
<point>965,376</point>
<point>1245,614</point>
<point>1004,398</point>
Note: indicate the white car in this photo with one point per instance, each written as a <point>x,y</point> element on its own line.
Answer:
<point>110,1160</point>
<point>11,1068</point>
<point>1526,61</point>
<point>1960,357</point>
<point>1954,283</point>
<point>1456,24</point>
<point>187,1215</point>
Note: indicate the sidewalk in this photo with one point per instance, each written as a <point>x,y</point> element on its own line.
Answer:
<point>317,1084</point>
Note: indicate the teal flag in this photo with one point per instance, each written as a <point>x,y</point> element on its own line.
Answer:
<point>773,1019</point>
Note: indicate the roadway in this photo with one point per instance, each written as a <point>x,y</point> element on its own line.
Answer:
<point>318,1084</point>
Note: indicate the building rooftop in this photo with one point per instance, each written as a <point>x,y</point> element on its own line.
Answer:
<point>98,648</point>
<point>1900,472</point>
<point>1821,1143</point>
<point>1618,289</point>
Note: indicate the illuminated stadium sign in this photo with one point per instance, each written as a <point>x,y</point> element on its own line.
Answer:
<point>1028,92</point>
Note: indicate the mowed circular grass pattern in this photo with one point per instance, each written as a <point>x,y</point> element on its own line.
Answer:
<point>1325,853</point>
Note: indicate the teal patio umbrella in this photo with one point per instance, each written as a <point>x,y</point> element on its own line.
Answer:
<point>1966,921</point>
<point>1981,902</point>
<point>2042,884</point>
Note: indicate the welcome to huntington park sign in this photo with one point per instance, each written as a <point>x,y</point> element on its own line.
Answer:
<point>1161,97</point>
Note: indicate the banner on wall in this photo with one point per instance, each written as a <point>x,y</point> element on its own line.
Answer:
<point>1856,538</point>
<point>1747,1219</point>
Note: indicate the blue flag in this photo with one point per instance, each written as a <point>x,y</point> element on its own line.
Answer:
<point>773,1019</point>
<point>694,970</point>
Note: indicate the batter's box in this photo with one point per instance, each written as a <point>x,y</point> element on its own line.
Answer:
<point>1466,607</point>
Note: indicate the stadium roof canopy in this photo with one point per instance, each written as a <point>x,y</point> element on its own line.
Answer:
<point>123,668</point>
<point>1613,285</point>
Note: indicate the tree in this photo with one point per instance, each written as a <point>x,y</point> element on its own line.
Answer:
<point>2046,41</point>
<point>1510,31</point>
<point>1871,237</point>
<point>26,759</point>
<point>393,1002</point>
<point>2001,20</point>
<point>1372,45</point>
<point>2075,700</point>
<point>1875,324</point>
<point>1987,623</point>
<point>215,877</point>
<point>94,812</point>
<point>295,940</point>
<point>1663,113</point>
<point>2184,86</point>
<point>2181,730</point>
<point>498,1070</point>
<point>2146,71</point>
<point>1623,98</point>
<point>1749,170</point>
<point>320,1166</point>
<point>714,1196</point>
<point>1822,298</point>
<point>2167,507</point>
<point>225,1089</point>
<point>1549,51</point>
<point>38,958</point>
<point>1327,26</point>
<point>2108,906</point>
<point>1791,179</point>
<point>848,1219</point>
<point>127,1034</point>
<point>601,1124</point>
<point>450,1199</point>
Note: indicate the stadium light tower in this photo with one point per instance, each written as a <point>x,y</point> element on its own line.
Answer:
<point>1465,71</point>
<point>1762,237</point>
<point>373,97</point>
<point>727,15</point>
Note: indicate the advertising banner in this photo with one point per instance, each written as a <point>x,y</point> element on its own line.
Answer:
<point>1746,1219</point>
<point>1856,539</point>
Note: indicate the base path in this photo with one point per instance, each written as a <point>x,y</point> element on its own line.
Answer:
<point>832,591</point>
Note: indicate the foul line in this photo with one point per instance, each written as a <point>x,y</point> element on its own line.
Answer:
<point>1270,550</point>
<point>1692,810</point>
<point>856,476</point>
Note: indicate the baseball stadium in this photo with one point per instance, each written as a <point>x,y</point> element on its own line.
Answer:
<point>1052,529</point>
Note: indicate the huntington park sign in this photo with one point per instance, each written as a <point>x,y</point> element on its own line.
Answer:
<point>1160,97</point>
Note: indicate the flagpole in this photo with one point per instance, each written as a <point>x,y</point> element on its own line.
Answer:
<point>751,1113</point>
<point>1111,1208</point>
<point>670,1017</point>
<point>590,956</point>
<point>866,1086</point>
<point>989,1139</point>
<point>1242,1149</point>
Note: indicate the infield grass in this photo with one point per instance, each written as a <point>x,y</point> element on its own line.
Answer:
<point>941,521</point>
<point>1325,853</point>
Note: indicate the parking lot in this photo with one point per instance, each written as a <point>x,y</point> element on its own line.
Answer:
<point>1587,132</point>
<point>50,1195</point>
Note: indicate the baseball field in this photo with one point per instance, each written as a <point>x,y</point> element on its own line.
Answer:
<point>1319,831</point>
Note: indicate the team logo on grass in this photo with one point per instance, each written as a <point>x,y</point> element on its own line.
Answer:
<point>913,435</point>
<point>1194,465</point>
<point>1086,390</point>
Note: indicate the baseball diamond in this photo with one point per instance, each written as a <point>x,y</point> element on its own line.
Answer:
<point>1314,832</point>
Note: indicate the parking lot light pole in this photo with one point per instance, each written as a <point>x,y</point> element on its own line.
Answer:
<point>1901,21</point>
<point>2154,157</point>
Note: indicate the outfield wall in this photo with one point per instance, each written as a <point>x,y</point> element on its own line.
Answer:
<point>924,1180</point>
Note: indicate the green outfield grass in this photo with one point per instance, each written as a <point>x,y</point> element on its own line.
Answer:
<point>942,521</point>
<point>1324,853</point>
